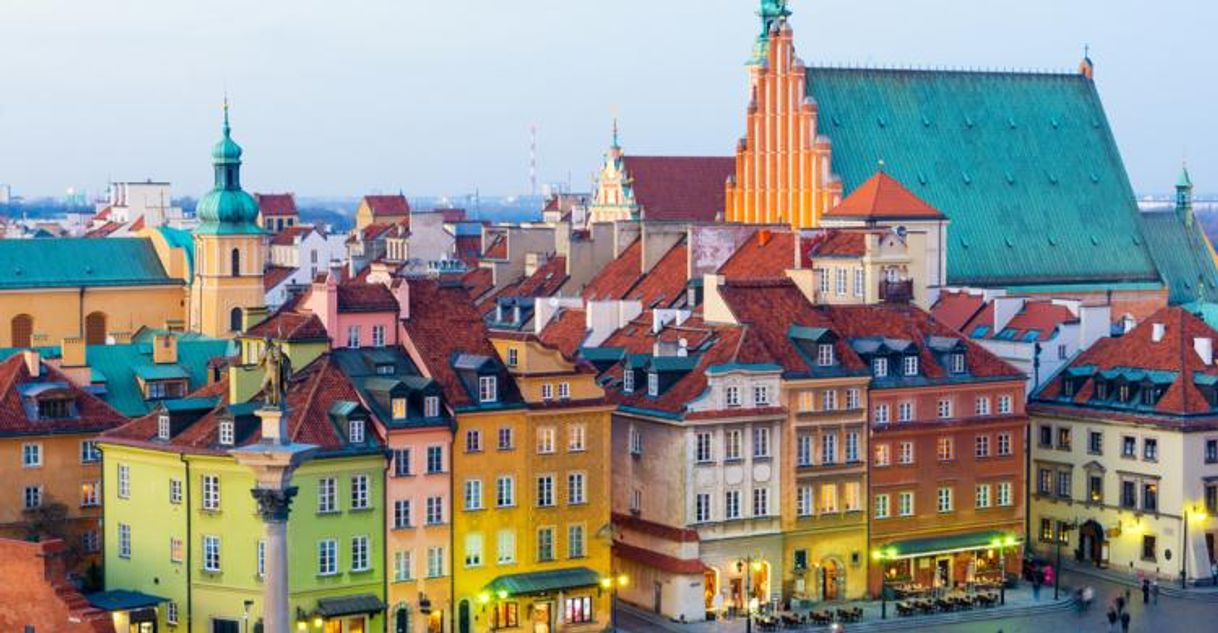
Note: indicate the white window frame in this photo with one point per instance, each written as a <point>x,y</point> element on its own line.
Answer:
<point>473,494</point>
<point>488,388</point>
<point>211,493</point>
<point>327,557</point>
<point>212,554</point>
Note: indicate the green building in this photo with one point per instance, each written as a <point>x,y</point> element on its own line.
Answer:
<point>182,530</point>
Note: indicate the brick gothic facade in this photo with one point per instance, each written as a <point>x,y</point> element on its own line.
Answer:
<point>36,592</point>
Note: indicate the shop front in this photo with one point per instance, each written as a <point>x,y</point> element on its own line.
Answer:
<point>740,573</point>
<point>935,565</point>
<point>132,611</point>
<point>347,614</point>
<point>545,601</point>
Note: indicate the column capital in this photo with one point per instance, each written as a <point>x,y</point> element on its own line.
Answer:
<point>274,504</point>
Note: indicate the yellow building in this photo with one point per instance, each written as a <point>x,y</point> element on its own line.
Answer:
<point>228,248</point>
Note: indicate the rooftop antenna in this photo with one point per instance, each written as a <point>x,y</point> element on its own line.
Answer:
<point>533,160</point>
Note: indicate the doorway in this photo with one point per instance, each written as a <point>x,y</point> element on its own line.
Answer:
<point>655,600</point>
<point>463,616</point>
<point>542,615</point>
<point>1091,542</point>
<point>943,571</point>
<point>832,580</point>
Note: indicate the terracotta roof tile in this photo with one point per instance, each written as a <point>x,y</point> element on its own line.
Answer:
<point>833,243</point>
<point>680,187</point>
<point>288,235</point>
<point>366,297</point>
<point>274,275</point>
<point>664,285</point>
<point>618,276</point>
<point>957,309</point>
<point>566,331</point>
<point>498,248</point>
<point>882,197</point>
<point>290,326</point>
<point>765,255</point>
<point>388,206</point>
<point>91,413</point>
<point>1041,317</point>
<point>443,322</point>
<point>273,204</point>
<point>478,282</point>
<point>545,281</point>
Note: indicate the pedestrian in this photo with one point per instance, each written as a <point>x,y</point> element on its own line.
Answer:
<point>1214,573</point>
<point>1088,596</point>
<point>1120,603</point>
<point>1037,578</point>
<point>1145,591</point>
<point>1154,591</point>
<point>1112,620</point>
<point>1125,622</point>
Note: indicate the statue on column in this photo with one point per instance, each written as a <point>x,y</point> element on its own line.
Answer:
<point>276,368</point>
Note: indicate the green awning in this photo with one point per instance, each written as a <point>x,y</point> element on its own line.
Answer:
<point>944,544</point>
<point>543,581</point>
<point>364,603</point>
<point>122,600</point>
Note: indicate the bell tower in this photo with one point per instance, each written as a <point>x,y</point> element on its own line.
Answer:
<point>228,248</point>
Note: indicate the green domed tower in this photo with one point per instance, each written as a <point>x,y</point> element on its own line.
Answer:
<point>229,247</point>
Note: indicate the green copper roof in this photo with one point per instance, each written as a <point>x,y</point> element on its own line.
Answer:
<point>178,238</point>
<point>73,262</point>
<point>1183,256</point>
<point>227,209</point>
<point>1023,164</point>
<point>1184,181</point>
<point>119,365</point>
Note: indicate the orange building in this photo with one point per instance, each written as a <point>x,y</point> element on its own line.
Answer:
<point>48,456</point>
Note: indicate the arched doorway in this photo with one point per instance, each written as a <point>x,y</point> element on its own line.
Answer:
<point>95,328</point>
<point>234,320</point>
<point>22,330</point>
<point>236,257</point>
<point>401,620</point>
<point>1091,542</point>
<point>833,580</point>
<point>463,616</point>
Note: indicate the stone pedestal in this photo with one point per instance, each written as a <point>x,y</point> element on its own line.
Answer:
<point>273,460</point>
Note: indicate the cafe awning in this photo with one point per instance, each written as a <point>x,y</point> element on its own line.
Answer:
<point>364,603</point>
<point>544,581</point>
<point>934,545</point>
<point>122,600</point>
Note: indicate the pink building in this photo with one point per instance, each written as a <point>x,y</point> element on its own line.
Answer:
<point>358,314</point>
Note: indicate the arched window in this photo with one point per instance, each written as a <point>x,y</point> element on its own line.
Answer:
<point>95,328</point>
<point>236,262</point>
<point>22,330</point>
<point>234,320</point>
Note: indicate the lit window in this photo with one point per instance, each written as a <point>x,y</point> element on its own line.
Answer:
<point>399,408</point>
<point>473,550</point>
<point>946,449</point>
<point>545,440</point>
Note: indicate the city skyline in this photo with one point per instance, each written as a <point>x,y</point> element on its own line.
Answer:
<point>341,121</point>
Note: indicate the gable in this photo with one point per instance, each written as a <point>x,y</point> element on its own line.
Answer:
<point>1024,165</point>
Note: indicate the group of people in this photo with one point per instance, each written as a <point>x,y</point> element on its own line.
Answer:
<point>1117,613</point>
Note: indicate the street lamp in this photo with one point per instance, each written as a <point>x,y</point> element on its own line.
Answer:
<point>1062,530</point>
<point>1002,543</point>
<point>880,556</point>
<point>611,584</point>
<point>752,565</point>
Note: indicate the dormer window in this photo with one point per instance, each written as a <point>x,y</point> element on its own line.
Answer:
<point>761,395</point>
<point>1148,396</point>
<point>54,408</point>
<point>1069,388</point>
<point>162,426</point>
<point>399,408</point>
<point>355,431</point>
<point>431,406</point>
<point>824,355</point>
<point>653,384</point>
<point>488,389</point>
<point>1101,390</point>
<point>910,367</point>
<point>1123,393</point>
<point>957,363</point>
<point>226,433</point>
<point>384,369</point>
<point>628,381</point>
<point>879,367</point>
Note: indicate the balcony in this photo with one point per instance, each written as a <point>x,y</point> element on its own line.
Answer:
<point>896,291</point>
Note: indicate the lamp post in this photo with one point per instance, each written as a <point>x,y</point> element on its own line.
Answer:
<point>1002,543</point>
<point>749,565</point>
<point>880,556</point>
<point>611,583</point>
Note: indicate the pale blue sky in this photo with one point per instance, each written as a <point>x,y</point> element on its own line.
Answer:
<point>436,96</point>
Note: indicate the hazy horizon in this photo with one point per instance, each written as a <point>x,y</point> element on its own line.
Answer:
<point>437,98</point>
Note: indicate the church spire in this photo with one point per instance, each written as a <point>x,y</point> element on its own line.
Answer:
<point>1184,196</point>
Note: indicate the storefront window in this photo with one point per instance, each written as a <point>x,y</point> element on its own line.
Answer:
<point>506,615</point>
<point>578,610</point>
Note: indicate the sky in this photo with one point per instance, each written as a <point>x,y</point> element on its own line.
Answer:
<point>438,96</point>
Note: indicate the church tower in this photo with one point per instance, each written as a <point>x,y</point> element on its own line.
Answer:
<point>613,198</point>
<point>783,173</point>
<point>1184,196</point>
<point>228,243</point>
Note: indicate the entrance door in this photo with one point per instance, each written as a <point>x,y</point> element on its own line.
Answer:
<point>355,625</point>
<point>659,591</point>
<point>1090,541</point>
<point>225,626</point>
<point>463,616</point>
<point>542,614</point>
<point>943,572</point>
<point>832,589</point>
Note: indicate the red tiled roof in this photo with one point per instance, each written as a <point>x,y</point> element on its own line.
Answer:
<point>957,309</point>
<point>833,243</point>
<point>388,206</point>
<point>137,225</point>
<point>679,187</point>
<point>92,414</point>
<point>104,230</point>
<point>443,322</point>
<point>720,347</point>
<point>276,203</point>
<point>468,247</point>
<point>884,198</point>
<point>288,235</point>
<point>665,284</point>
<point>765,255</point>
<point>666,532</point>
<point>104,214</point>
<point>1041,315</point>
<point>566,331</point>
<point>478,282</point>
<point>658,560</point>
<point>545,281</point>
<point>375,231</point>
<point>274,275</point>
<point>290,326</point>
<point>452,215</point>
<point>366,297</point>
<point>618,276</point>
<point>1137,350</point>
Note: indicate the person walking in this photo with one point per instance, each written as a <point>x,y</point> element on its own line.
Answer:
<point>1125,622</point>
<point>1145,591</point>
<point>1154,591</point>
<point>1214,573</point>
<point>1112,620</point>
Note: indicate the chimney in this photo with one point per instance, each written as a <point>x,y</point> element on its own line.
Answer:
<point>164,349</point>
<point>1157,331</point>
<point>763,237</point>
<point>401,292</point>
<point>33,362</point>
<point>73,352</point>
<point>1204,346</point>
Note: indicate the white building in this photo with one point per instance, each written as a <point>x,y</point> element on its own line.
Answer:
<point>152,201</point>
<point>296,256</point>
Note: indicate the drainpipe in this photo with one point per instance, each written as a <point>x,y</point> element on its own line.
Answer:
<point>80,310</point>
<point>189,570</point>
